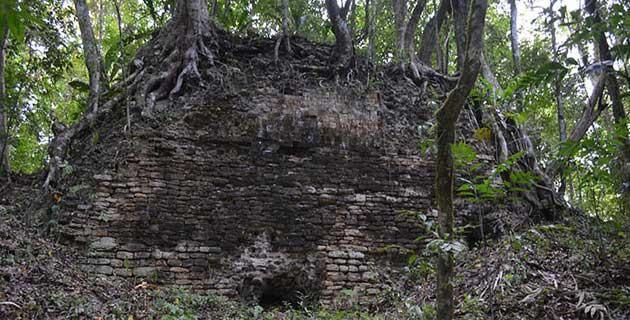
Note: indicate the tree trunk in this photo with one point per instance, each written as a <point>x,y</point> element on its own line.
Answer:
<point>443,52</point>
<point>589,115</point>
<point>410,30</point>
<point>371,32</point>
<point>342,52</point>
<point>182,44</point>
<point>619,113</point>
<point>4,133</point>
<point>366,22</point>
<point>352,17</point>
<point>446,122</point>
<point>460,13</point>
<point>562,127</point>
<point>400,13</point>
<point>92,57</point>
<point>502,149</point>
<point>285,25</point>
<point>431,31</point>
<point>516,50</point>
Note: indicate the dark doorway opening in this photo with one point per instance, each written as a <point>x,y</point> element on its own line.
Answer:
<point>279,291</point>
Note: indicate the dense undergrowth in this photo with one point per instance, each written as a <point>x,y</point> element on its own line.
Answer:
<point>578,268</point>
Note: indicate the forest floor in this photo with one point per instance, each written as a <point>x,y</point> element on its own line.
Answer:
<point>575,269</point>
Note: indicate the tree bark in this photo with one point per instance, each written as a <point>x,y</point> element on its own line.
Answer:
<point>443,53</point>
<point>285,25</point>
<point>460,12</point>
<point>4,133</point>
<point>446,122</point>
<point>374,10</point>
<point>502,149</point>
<point>92,57</point>
<point>431,31</point>
<point>619,113</point>
<point>589,115</point>
<point>516,49</point>
<point>183,46</point>
<point>562,127</point>
<point>411,28</point>
<point>400,12</point>
<point>342,52</point>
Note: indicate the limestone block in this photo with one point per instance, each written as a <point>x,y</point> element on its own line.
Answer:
<point>104,244</point>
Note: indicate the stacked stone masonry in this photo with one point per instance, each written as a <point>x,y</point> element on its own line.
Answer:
<point>240,216</point>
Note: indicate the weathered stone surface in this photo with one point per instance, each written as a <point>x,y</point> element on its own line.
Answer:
<point>104,270</point>
<point>297,188</point>
<point>143,271</point>
<point>105,243</point>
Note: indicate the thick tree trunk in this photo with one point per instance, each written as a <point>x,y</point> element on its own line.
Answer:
<point>446,121</point>
<point>431,31</point>
<point>619,113</point>
<point>342,52</point>
<point>92,56</point>
<point>4,133</point>
<point>400,12</point>
<point>183,46</point>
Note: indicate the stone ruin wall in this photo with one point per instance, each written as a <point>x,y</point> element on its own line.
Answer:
<point>257,217</point>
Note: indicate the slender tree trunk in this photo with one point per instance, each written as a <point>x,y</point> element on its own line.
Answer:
<point>121,44</point>
<point>371,31</point>
<point>92,57</point>
<point>592,111</point>
<point>213,11</point>
<point>446,122</point>
<point>516,49</point>
<point>4,134</point>
<point>562,127</point>
<point>443,53</point>
<point>366,22</point>
<point>619,113</point>
<point>411,28</point>
<point>502,149</point>
<point>342,52</point>
<point>285,25</point>
<point>590,114</point>
<point>352,18</point>
<point>460,12</point>
<point>431,31</point>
